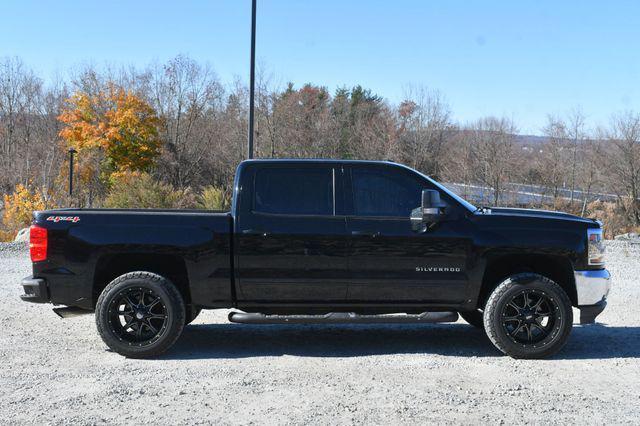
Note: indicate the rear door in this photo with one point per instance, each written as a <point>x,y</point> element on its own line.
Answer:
<point>290,243</point>
<point>389,261</point>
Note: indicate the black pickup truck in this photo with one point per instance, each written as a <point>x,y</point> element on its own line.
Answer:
<point>323,241</point>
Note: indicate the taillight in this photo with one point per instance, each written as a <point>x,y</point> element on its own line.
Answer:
<point>38,243</point>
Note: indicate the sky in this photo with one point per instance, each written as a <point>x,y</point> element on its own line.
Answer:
<point>520,59</point>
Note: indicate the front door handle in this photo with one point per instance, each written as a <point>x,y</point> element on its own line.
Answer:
<point>255,232</point>
<point>365,234</point>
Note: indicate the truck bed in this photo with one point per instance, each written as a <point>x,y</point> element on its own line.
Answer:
<point>89,247</point>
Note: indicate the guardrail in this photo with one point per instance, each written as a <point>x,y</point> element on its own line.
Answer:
<point>523,195</point>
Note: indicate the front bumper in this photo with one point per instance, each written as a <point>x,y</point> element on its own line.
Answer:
<point>35,290</point>
<point>592,289</point>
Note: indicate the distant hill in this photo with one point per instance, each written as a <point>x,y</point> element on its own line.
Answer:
<point>531,140</point>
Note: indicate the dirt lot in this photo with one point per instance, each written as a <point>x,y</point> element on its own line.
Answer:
<point>58,371</point>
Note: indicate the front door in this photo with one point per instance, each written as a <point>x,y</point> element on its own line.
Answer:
<point>290,244</point>
<point>389,260</point>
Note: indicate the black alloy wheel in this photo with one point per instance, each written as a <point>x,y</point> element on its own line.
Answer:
<point>140,314</point>
<point>528,316</point>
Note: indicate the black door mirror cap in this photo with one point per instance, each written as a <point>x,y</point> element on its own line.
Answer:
<point>432,206</point>
<point>431,200</point>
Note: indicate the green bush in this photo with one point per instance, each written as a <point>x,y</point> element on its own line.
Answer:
<point>134,190</point>
<point>213,198</point>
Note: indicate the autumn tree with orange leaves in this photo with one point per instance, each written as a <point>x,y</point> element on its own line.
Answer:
<point>114,131</point>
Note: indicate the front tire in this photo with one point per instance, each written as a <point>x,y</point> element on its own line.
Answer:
<point>140,314</point>
<point>528,316</point>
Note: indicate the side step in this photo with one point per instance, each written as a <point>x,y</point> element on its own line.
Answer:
<point>70,312</point>
<point>342,318</point>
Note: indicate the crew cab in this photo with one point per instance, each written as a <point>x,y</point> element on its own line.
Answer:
<point>323,241</point>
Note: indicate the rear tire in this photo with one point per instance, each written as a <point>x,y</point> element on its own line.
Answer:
<point>140,314</point>
<point>528,316</point>
<point>474,318</point>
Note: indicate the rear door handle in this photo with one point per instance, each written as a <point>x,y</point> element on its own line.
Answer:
<point>255,232</point>
<point>365,234</point>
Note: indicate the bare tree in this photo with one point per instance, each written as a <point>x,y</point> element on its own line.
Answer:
<point>493,153</point>
<point>425,120</point>
<point>29,153</point>
<point>590,171</point>
<point>624,161</point>
<point>301,120</point>
<point>553,162</point>
<point>229,149</point>
<point>575,128</point>
<point>373,131</point>
<point>184,94</point>
<point>267,137</point>
<point>13,78</point>
<point>459,162</point>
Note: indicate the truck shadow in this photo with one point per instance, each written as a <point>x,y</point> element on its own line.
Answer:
<point>216,341</point>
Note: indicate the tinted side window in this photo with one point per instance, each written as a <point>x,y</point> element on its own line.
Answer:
<point>384,193</point>
<point>294,191</point>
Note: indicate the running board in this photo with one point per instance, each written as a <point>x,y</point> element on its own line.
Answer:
<point>342,318</point>
<point>70,312</point>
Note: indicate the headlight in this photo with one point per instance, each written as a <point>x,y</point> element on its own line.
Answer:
<point>596,247</point>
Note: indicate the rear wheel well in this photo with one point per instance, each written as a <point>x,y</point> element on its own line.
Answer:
<point>112,266</point>
<point>556,268</point>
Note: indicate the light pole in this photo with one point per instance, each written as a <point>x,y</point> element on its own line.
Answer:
<point>252,75</point>
<point>72,152</point>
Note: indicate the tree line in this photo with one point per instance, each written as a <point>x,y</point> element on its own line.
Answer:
<point>178,132</point>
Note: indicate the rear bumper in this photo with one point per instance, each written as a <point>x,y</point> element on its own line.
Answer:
<point>592,288</point>
<point>35,290</point>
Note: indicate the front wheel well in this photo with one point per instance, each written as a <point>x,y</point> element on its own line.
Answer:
<point>112,266</point>
<point>556,268</point>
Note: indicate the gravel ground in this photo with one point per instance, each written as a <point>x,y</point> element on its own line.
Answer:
<point>58,371</point>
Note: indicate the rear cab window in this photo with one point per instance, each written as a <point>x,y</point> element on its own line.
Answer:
<point>296,190</point>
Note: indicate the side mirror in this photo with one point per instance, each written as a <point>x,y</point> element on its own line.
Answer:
<point>432,207</point>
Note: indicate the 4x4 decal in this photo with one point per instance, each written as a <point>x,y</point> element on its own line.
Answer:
<point>57,219</point>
